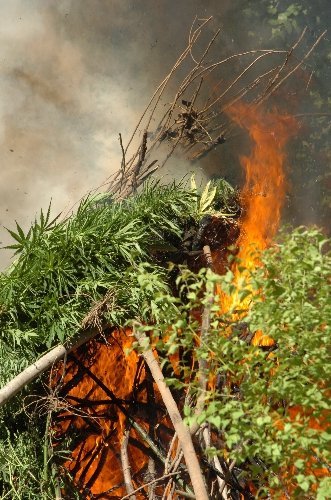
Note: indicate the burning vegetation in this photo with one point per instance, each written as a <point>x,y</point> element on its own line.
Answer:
<point>189,366</point>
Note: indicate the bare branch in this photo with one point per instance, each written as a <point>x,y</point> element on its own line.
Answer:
<point>151,475</point>
<point>184,436</point>
<point>157,480</point>
<point>141,158</point>
<point>123,162</point>
<point>300,63</point>
<point>41,365</point>
<point>126,465</point>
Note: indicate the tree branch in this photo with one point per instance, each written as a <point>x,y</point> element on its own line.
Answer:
<point>153,482</point>
<point>37,368</point>
<point>183,433</point>
<point>126,465</point>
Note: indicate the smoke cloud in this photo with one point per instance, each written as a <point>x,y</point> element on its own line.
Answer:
<point>74,75</point>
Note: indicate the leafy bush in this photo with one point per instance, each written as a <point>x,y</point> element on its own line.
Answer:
<point>267,401</point>
<point>65,267</point>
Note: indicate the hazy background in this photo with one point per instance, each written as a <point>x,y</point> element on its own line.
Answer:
<point>76,73</point>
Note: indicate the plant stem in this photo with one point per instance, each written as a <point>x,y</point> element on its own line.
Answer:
<point>183,433</point>
<point>126,465</point>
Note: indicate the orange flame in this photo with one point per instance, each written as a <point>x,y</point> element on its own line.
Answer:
<point>264,191</point>
<point>263,194</point>
<point>95,463</point>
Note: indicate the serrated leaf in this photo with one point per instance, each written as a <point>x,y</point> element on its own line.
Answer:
<point>14,235</point>
<point>20,231</point>
<point>193,183</point>
<point>208,200</point>
<point>205,192</point>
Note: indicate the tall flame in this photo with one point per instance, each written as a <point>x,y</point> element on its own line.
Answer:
<point>264,191</point>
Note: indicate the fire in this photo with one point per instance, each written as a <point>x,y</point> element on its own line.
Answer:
<point>101,373</point>
<point>110,375</point>
<point>263,197</point>
<point>264,191</point>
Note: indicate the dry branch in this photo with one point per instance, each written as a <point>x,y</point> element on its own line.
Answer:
<point>43,364</point>
<point>212,125</point>
<point>151,474</point>
<point>157,480</point>
<point>126,465</point>
<point>183,433</point>
<point>205,324</point>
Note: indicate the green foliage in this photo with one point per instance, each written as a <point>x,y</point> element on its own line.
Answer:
<point>218,198</point>
<point>264,403</point>
<point>269,406</point>
<point>65,267</point>
<point>20,471</point>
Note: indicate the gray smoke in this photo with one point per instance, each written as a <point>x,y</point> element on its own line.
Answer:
<point>73,75</point>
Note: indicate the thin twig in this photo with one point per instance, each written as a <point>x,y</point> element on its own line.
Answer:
<point>141,158</point>
<point>184,494</point>
<point>123,162</point>
<point>126,465</point>
<point>167,462</point>
<point>223,484</point>
<point>300,63</point>
<point>157,480</point>
<point>203,365</point>
<point>288,55</point>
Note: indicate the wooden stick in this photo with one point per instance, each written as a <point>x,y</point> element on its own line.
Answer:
<point>126,465</point>
<point>151,473</point>
<point>155,481</point>
<point>183,433</point>
<point>202,362</point>
<point>123,162</point>
<point>141,158</point>
<point>41,365</point>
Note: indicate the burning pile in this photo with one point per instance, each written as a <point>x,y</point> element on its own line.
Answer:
<point>107,391</point>
<point>114,428</point>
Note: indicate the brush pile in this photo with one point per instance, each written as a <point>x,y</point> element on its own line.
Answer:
<point>124,296</point>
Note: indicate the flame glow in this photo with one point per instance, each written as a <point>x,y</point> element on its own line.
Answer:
<point>95,463</point>
<point>264,191</point>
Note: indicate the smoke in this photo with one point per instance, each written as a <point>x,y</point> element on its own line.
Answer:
<point>74,75</point>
